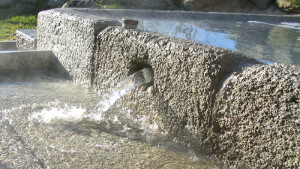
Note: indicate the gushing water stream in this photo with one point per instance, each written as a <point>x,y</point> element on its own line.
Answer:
<point>137,79</point>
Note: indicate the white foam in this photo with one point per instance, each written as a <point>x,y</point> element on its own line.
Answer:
<point>53,114</point>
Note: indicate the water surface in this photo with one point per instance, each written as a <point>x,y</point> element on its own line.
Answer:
<point>43,125</point>
<point>274,42</point>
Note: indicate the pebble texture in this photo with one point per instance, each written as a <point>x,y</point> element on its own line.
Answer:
<point>26,39</point>
<point>259,117</point>
<point>187,77</point>
<point>60,29</point>
<point>227,104</point>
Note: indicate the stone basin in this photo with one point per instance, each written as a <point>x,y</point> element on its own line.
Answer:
<point>220,102</point>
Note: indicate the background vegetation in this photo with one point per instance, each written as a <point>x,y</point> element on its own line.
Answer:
<point>295,2</point>
<point>10,25</point>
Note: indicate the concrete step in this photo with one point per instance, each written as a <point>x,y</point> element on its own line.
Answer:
<point>8,45</point>
<point>29,63</point>
<point>26,39</point>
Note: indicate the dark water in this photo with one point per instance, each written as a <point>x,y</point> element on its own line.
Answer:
<point>43,125</point>
<point>278,43</point>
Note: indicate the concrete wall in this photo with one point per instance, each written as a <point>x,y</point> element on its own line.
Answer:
<point>221,101</point>
<point>60,29</point>
<point>187,76</point>
<point>258,114</point>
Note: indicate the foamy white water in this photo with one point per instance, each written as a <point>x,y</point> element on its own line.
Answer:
<point>66,113</point>
<point>116,93</point>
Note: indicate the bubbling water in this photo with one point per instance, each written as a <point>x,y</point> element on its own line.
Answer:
<point>118,122</point>
<point>53,130</point>
<point>67,113</point>
<point>137,79</point>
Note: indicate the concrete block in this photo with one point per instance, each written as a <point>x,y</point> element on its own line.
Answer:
<point>26,62</point>
<point>26,39</point>
<point>8,45</point>
<point>71,35</point>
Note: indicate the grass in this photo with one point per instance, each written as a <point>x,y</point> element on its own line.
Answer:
<point>112,6</point>
<point>295,2</point>
<point>108,4</point>
<point>9,26</point>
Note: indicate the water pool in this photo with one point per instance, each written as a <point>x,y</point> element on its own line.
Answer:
<point>274,42</point>
<point>42,126</point>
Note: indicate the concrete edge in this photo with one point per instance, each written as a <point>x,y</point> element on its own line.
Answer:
<point>8,45</point>
<point>12,62</point>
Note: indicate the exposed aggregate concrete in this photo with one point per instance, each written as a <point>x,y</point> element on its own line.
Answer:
<point>250,120</point>
<point>259,117</point>
<point>58,30</point>
<point>26,39</point>
<point>187,76</point>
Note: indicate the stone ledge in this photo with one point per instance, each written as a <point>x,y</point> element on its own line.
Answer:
<point>26,39</point>
<point>60,29</point>
<point>8,45</point>
<point>26,61</point>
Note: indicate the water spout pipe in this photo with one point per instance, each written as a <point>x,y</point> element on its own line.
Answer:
<point>143,76</point>
<point>129,23</point>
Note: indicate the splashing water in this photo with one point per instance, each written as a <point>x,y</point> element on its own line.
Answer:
<point>55,126</point>
<point>66,113</point>
<point>110,98</point>
<point>120,122</point>
<point>72,113</point>
<point>135,80</point>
